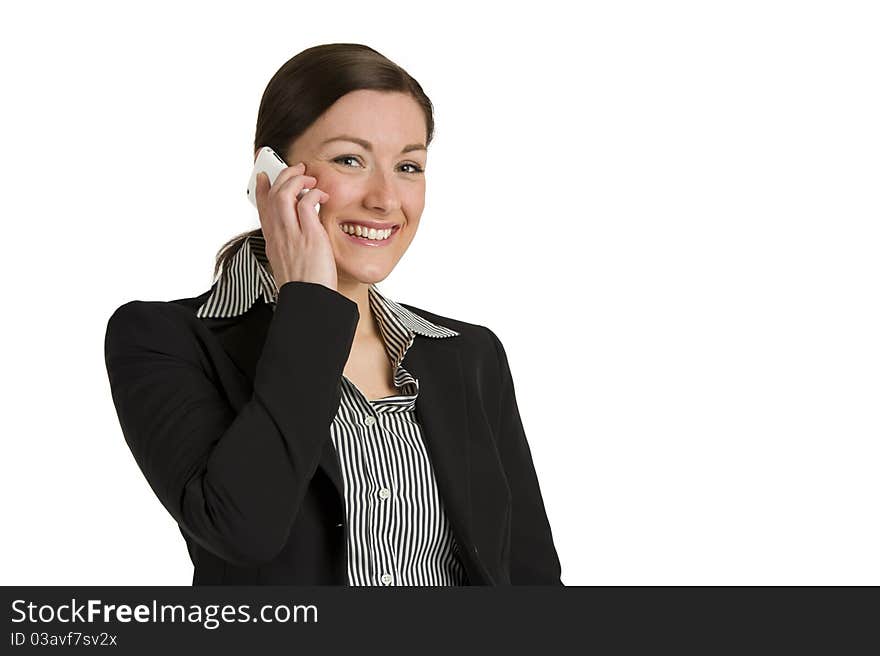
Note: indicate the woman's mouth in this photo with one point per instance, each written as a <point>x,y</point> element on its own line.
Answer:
<point>368,236</point>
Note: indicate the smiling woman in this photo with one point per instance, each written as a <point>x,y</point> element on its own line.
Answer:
<point>308,86</point>
<point>312,431</point>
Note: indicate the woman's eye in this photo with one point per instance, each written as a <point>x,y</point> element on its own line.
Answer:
<point>343,158</point>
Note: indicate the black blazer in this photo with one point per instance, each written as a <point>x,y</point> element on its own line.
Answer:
<point>229,421</point>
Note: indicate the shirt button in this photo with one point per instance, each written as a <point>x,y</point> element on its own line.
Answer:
<point>369,421</point>
<point>386,579</point>
<point>384,493</point>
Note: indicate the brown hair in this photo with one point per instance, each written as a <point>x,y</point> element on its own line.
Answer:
<point>305,87</point>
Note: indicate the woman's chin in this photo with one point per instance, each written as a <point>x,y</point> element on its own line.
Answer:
<point>364,272</point>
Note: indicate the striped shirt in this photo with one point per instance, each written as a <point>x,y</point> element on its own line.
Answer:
<point>398,531</point>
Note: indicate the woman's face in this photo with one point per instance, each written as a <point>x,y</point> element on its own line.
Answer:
<point>381,179</point>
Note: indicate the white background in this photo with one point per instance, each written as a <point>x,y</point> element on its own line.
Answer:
<point>668,212</point>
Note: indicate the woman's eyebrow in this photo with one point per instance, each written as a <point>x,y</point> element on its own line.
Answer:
<point>366,144</point>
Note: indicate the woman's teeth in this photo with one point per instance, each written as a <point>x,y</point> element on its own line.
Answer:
<point>366,233</point>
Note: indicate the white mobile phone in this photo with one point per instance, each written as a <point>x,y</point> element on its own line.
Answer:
<point>267,161</point>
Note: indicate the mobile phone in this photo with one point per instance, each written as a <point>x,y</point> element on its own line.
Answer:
<point>270,162</point>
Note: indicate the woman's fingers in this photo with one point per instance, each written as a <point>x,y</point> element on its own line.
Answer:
<point>305,209</point>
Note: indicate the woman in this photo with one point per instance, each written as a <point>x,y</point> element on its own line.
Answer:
<point>264,412</point>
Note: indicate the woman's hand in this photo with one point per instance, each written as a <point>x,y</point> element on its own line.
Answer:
<point>297,245</point>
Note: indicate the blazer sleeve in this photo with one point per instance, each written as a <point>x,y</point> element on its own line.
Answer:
<point>533,559</point>
<point>234,482</point>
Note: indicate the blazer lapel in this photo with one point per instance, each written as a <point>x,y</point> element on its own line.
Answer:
<point>441,409</point>
<point>243,337</point>
<point>442,412</point>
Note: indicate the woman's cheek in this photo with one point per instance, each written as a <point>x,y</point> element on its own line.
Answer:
<point>328,185</point>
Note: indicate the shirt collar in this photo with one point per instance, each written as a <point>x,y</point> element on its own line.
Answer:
<point>246,278</point>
